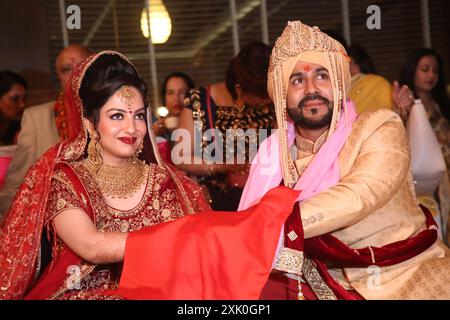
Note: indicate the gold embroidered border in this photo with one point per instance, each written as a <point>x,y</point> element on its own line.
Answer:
<point>290,261</point>
<point>315,281</point>
<point>61,177</point>
<point>181,189</point>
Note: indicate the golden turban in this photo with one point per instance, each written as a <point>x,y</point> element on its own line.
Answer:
<point>300,42</point>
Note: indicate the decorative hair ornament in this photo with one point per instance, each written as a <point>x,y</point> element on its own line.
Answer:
<point>127,96</point>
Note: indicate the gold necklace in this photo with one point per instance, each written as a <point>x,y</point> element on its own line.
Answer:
<point>119,182</point>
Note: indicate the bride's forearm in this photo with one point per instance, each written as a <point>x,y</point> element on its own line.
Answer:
<point>107,247</point>
<point>79,233</point>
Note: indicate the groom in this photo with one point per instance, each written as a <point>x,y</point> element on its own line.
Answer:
<point>357,210</point>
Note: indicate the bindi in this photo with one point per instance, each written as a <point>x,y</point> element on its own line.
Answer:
<point>307,68</point>
<point>127,96</point>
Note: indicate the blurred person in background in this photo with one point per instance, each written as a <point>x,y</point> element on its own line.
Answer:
<point>370,91</point>
<point>424,73</point>
<point>13,89</point>
<point>174,89</point>
<point>241,102</point>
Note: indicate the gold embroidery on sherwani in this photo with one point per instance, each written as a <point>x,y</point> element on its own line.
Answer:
<point>315,281</point>
<point>422,285</point>
<point>312,219</point>
<point>306,147</point>
<point>306,150</point>
<point>290,261</point>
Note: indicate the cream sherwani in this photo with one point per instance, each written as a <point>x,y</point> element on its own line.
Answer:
<point>374,204</point>
<point>38,133</point>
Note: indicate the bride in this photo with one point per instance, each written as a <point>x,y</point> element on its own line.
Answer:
<point>84,196</point>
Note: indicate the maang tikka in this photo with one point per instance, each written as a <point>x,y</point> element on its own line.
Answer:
<point>127,96</point>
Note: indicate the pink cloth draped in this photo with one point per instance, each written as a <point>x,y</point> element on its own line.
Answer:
<point>4,164</point>
<point>322,172</point>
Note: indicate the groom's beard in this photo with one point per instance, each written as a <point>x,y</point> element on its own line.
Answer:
<point>298,116</point>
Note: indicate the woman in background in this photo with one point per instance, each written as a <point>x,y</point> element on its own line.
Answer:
<point>241,102</point>
<point>174,90</point>
<point>424,73</point>
<point>13,90</point>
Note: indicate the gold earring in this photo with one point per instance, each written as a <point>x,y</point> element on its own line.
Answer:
<point>139,150</point>
<point>93,153</point>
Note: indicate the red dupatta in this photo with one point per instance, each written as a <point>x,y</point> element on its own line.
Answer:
<point>55,273</point>
<point>21,230</point>
<point>209,255</point>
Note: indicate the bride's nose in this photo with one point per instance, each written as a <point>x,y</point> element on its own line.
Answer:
<point>130,126</point>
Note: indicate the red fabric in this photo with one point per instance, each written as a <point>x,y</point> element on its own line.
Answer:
<point>165,151</point>
<point>53,277</point>
<point>4,165</point>
<point>209,255</point>
<point>21,230</point>
<point>294,223</point>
